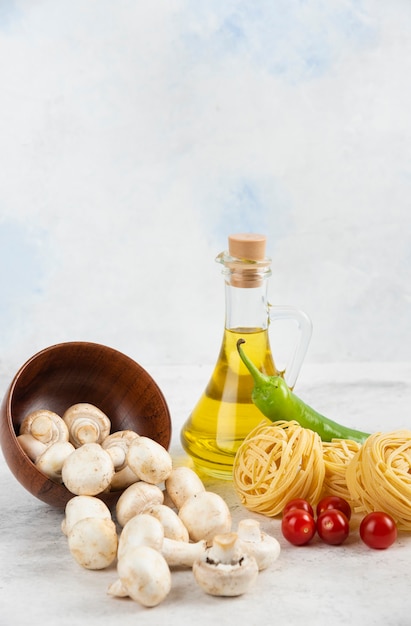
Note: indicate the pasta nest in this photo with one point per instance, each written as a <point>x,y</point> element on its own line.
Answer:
<point>379,476</point>
<point>278,462</point>
<point>337,455</point>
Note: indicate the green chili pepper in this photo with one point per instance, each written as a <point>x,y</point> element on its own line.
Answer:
<point>276,401</point>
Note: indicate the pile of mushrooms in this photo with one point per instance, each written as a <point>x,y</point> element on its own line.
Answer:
<point>164,519</point>
<point>175,525</point>
<point>78,450</point>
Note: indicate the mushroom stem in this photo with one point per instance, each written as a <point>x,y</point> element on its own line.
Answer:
<point>264,548</point>
<point>86,423</point>
<point>182,553</point>
<point>117,589</point>
<point>224,549</point>
<point>123,478</point>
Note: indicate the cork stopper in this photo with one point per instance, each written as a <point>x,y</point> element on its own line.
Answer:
<point>246,263</point>
<point>247,246</point>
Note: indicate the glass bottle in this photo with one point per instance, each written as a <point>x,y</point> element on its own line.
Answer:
<point>225,414</point>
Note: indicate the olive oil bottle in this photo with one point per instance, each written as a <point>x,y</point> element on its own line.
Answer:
<point>225,413</point>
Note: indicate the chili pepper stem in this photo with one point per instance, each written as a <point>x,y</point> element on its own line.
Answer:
<point>258,376</point>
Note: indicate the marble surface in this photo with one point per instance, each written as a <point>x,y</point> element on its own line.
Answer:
<point>350,584</point>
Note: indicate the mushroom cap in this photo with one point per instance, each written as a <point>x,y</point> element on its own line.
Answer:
<point>140,530</point>
<point>80,507</point>
<point>93,542</point>
<point>145,575</point>
<point>135,498</point>
<point>52,460</point>
<point>183,483</point>
<point>172,524</point>
<point>149,460</point>
<point>205,514</point>
<point>88,470</point>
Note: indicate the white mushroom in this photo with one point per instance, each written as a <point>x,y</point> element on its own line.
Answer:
<point>44,425</point>
<point>183,483</point>
<point>205,514</point>
<point>93,542</point>
<point>88,470</point>
<point>52,460</point>
<point>263,547</point>
<point>149,460</point>
<point>117,445</point>
<point>135,499</point>
<point>31,446</point>
<point>145,575</point>
<point>172,524</point>
<point>86,423</point>
<point>80,507</point>
<point>224,570</point>
<point>140,530</point>
<point>182,553</point>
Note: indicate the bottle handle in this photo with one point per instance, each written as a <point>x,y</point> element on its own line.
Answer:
<point>277,313</point>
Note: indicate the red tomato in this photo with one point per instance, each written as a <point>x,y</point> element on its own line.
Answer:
<point>298,527</point>
<point>334,502</point>
<point>333,526</point>
<point>298,503</point>
<point>378,530</point>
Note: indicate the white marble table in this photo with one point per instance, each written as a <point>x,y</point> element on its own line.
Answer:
<point>317,584</point>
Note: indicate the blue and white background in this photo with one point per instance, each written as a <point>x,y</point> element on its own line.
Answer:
<point>136,135</point>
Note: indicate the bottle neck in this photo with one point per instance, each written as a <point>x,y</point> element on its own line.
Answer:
<point>246,308</point>
<point>246,283</point>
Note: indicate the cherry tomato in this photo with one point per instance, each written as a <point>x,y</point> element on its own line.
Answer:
<point>333,526</point>
<point>378,530</point>
<point>298,503</point>
<point>298,527</point>
<point>334,502</point>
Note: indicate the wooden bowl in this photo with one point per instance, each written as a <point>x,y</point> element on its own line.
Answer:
<point>65,374</point>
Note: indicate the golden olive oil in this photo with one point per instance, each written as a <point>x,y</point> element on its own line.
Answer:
<point>225,413</point>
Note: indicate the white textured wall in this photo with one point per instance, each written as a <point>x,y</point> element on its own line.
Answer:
<point>135,136</point>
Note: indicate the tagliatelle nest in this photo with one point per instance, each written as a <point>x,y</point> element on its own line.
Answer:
<point>337,454</point>
<point>379,476</point>
<point>278,462</point>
